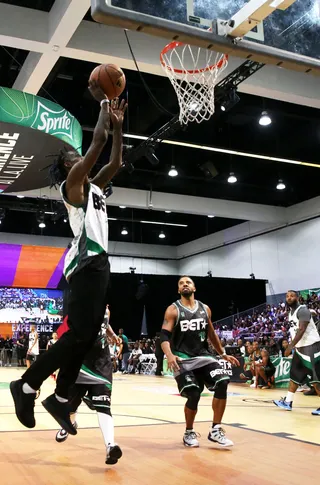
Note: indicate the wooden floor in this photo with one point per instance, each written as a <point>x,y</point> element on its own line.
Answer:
<point>271,446</point>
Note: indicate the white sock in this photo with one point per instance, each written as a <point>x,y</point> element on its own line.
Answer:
<point>107,428</point>
<point>27,389</point>
<point>61,399</point>
<point>290,396</point>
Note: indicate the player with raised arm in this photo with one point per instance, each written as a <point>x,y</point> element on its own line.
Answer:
<point>184,337</point>
<point>86,266</point>
<point>305,340</point>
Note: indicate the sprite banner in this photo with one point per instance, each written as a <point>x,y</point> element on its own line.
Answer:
<point>31,129</point>
<point>306,293</point>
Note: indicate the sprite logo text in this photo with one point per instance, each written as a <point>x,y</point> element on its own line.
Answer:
<point>53,122</point>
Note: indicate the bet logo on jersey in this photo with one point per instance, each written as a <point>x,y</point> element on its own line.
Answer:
<point>194,324</point>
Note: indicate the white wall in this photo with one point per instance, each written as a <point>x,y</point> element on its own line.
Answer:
<point>122,255</point>
<point>288,257</point>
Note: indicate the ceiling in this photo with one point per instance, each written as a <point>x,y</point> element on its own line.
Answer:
<point>294,134</point>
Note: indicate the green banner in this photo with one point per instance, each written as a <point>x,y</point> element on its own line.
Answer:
<point>32,111</point>
<point>306,293</point>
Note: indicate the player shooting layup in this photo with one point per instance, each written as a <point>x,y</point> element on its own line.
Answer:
<point>86,267</point>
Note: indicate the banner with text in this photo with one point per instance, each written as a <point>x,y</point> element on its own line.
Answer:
<point>31,128</point>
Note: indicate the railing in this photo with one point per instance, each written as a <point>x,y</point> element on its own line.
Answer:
<point>228,322</point>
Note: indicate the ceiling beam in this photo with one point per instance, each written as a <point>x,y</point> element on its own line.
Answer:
<point>185,204</point>
<point>62,22</point>
<point>37,31</point>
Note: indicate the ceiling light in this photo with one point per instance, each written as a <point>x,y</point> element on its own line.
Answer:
<point>232,179</point>
<point>231,98</point>
<point>281,185</point>
<point>164,223</point>
<point>162,235</point>
<point>211,216</point>
<point>122,206</point>
<point>42,225</point>
<point>20,196</point>
<point>226,151</point>
<point>168,212</point>
<point>265,119</point>
<point>173,172</point>
<point>64,220</point>
<point>112,219</point>
<point>124,232</point>
<point>49,212</point>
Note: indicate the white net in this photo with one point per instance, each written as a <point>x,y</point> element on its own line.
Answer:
<point>193,72</point>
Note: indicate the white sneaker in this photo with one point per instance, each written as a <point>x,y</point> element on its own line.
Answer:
<point>303,388</point>
<point>190,439</point>
<point>218,435</point>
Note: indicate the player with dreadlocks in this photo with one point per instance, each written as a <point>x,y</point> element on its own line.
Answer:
<point>86,266</point>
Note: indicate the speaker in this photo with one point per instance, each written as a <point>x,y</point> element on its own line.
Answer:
<point>209,170</point>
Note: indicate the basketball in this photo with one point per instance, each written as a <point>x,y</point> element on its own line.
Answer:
<point>110,78</point>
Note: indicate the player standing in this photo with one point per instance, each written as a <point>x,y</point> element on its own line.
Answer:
<point>86,266</point>
<point>305,339</point>
<point>184,339</point>
<point>33,348</point>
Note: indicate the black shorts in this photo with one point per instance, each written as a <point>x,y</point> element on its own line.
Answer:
<point>31,357</point>
<point>209,375</point>
<point>98,394</point>
<point>269,371</point>
<point>306,362</point>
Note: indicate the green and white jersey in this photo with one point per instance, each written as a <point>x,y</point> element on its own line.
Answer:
<point>89,224</point>
<point>311,335</point>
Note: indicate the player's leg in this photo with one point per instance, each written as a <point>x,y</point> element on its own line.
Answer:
<point>77,392</point>
<point>298,374</point>
<point>315,380</point>
<point>190,388</point>
<point>86,310</point>
<point>216,376</point>
<point>101,402</point>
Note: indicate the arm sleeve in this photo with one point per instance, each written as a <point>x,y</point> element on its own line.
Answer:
<point>304,314</point>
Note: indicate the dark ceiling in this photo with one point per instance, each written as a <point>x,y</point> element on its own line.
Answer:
<point>294,134</point>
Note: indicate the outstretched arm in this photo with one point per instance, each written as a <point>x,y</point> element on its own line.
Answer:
<point>108,172</point>
<point>169,321</point>
<point>78,173</point>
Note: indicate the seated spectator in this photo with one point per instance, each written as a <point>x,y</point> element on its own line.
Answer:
<point>134,357</point>
<point>265,371</point>
<point>242,347</point>
<point>248,364</point>
<point>284,346</point>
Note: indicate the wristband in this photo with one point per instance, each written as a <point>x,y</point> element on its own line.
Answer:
<point>223,355</point>
<point>104,101</point>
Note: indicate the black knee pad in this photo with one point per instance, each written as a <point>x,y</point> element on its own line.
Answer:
<point>221,389</point>
<point>193,395</point>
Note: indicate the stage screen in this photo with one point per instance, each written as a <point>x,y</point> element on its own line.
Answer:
<point>22,307</point>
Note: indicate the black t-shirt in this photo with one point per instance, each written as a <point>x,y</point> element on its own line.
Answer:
<point>125,347</point>
<point>190,333</point>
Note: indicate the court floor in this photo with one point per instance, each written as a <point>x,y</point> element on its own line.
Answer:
<point>271,446</point>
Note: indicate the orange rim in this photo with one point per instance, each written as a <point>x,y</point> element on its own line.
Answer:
<point>175,44</point>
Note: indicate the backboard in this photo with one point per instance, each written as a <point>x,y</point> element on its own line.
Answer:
<point>288,36</point>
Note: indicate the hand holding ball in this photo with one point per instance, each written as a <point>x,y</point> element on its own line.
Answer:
<point>110,78</point>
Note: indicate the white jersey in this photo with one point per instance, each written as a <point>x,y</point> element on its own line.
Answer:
<point>311,335</point>
<point>32,338</point>
<point>89,224</point>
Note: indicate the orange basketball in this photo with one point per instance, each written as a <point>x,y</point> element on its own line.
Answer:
<point>110,78</point>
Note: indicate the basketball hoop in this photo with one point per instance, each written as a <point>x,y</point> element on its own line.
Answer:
<point>193,72</point>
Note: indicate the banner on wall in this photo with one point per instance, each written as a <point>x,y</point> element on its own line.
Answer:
<point>31,129</point>
<point>306,293</point>
<point>13,329</point>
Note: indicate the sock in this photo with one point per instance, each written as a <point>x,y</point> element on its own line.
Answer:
<point>290,396</point>
<point>61,399</point>
<point>189,430</point>
<point>27,389</point>
<point>107,428</point>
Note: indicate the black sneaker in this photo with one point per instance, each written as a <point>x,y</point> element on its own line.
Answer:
<point>311,392</point>
<point>114,454</point>
<point>60,411</point>
<point>24,404</point>
<point>62,435</point>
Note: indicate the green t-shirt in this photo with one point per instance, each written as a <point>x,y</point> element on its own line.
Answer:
<point>124,338</point>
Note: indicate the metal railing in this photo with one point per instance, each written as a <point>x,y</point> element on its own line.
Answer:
<point>228,322</point>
